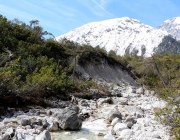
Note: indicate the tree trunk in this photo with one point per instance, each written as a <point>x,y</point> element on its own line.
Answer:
<point>159,73</point>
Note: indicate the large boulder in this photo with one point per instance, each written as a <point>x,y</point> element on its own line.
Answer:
<point>68,118</point>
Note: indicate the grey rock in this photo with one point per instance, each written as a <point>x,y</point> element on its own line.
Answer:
<point>138,116</point>
<point>20,136</point>
<point>35,121</point>
<point>116,93</point>
<point>68,118</point>
<point>156,136</point>
<point>49,112</point>
<point>114,114</point>
<point>45,135</point>
<point>129,125</point>
<point>44,123</point>
<point>5,137</point>
<point>105,100</point>
<point>133,109</point>
<point>37,113</point>
<point>83,103</point>
<point>130,119</point>
<point>95,93</point>
<point>28,127</point>
<point>25,122</point>
<point>93,104</point>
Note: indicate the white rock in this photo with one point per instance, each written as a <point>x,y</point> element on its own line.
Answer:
<point>126,134</point>
<point>20,136</point>
<point>119,127</point>
<point>86,111</point>
<point>104,100</point>
<point>109,137</point>
<point>9,131</point>
<point>131,90</point>
<point>45,135</point>
<point>147,92</point>
<point>4,137</point>
<point>115,121</point>
<point>134,110</point>
<point>53,127</point>
<point>136,127</point>
<point>123,101</point>
<point>30,137</point>
<point>140,90</point>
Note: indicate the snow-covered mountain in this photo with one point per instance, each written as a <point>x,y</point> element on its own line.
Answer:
<point>123,35</point>
<point>172,26</point>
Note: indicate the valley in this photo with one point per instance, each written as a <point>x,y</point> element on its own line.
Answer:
<point>111,80</point>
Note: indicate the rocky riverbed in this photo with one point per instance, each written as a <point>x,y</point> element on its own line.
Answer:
<point>128,115</point>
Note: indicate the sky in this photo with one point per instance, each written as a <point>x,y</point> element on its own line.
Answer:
<point>61,16</point>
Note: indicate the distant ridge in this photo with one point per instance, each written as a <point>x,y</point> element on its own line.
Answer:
<point>124,35</point>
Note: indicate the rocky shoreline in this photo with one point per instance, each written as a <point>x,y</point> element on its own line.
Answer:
<point>128,115</point>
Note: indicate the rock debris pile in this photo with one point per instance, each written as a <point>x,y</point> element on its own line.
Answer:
<point>128,115</point>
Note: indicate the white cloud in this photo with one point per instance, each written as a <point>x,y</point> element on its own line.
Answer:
<point>101,4</point>
<point>97,7</point>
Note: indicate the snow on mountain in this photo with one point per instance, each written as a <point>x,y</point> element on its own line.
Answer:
<point>123,35</point>
<point>172,26</point>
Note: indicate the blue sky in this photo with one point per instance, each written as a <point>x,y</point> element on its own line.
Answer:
<point>61,16</point>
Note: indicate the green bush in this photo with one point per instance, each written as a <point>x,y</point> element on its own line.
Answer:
<point>170,115</point>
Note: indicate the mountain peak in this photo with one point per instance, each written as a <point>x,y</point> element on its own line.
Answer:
<point>124,35</point>
<point>175,20</point>
<point>172,26</point>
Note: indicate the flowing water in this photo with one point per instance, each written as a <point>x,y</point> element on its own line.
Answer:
<point>75,135</point>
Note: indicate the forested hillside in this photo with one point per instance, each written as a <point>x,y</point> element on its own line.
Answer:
<point>34,67</point>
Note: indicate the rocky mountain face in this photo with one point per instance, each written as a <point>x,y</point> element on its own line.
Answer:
<point>124,35</point>
<point>107,72</point>
<point>169,45</point>
<point>172,26</point>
